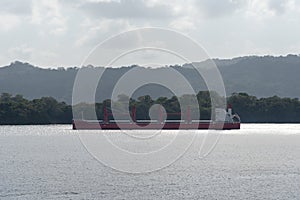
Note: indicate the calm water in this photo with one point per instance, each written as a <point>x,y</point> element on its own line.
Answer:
<point>49,162</point>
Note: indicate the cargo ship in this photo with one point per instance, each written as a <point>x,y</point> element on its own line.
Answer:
<point>224,120</point>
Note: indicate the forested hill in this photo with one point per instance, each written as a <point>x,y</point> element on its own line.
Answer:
<point>258,76</point>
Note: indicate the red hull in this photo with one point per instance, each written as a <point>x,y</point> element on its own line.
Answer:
<point>86,125</point>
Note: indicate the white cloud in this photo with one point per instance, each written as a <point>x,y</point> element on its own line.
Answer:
<point>217,8</point>
<point>127,9</point>
<point>16,7</point>
<point>183,24</point>
<point>12,13</point>
<point>8,22</point>
<point>270,8</point>
<point>22,52</point>
<point>64,28</point>
<point>93,31</point>
<point>259,9</point>
<point>48,15</point>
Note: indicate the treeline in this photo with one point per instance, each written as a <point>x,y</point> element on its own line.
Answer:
<point>47,110</point>
<point>265,110</point>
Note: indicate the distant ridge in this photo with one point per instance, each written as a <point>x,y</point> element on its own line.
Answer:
<point>261,76</point>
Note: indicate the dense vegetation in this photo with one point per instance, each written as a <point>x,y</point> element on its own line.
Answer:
<point>18,110</point>
<point>46,110</point>
<point>272,109</point>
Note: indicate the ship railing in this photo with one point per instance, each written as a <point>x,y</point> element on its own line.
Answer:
<point>93,120</point>
<point>174,121</point>
<point>120,121</point>
<point>146,121</point>
<point>201,121</point>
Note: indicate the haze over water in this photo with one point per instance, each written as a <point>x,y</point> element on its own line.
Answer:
<point>260,161</point>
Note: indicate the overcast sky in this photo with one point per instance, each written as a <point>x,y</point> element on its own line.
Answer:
<point>61,33</point>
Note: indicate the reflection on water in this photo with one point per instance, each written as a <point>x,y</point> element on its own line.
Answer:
<point>260,161</point>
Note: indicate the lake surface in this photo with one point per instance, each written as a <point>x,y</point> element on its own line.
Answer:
<point>260,161</point>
